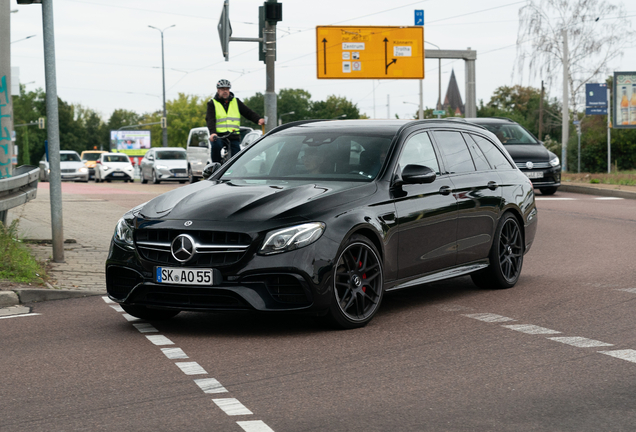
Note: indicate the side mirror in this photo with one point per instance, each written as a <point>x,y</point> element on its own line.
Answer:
<point>210,169</point>
<point>418,174</point>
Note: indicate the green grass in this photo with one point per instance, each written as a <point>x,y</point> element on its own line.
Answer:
<point>16,262</point>
<point>622,178</point>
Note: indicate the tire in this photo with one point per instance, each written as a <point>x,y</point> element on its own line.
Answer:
<point>141,177</point>
<point>506,256</point>
<point>548,190</point>
<point>107,181</point>
<point>154,178</point>
<point>191,178</point>
<point>182,181</point>
<point>149,314</point>
<point>96,179</point>
<point>132,180</point>
<point>358,284</point>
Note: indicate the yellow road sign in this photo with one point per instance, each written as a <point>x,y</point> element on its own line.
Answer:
<point>371,52</point>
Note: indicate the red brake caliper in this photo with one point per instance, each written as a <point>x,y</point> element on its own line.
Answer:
<point>364,276</point>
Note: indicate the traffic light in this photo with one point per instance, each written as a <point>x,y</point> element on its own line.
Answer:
<point>164,122</point>
<point>41,123</point>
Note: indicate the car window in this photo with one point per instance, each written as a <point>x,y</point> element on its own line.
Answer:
<point>457,158</point>
<point>481,163</point>
<point>323,155</point>
<point>418,150</point>
<point>116,158</point>
<point>510,133</point>
<point>91,156</point>
<point>69,157</point>
<point>493,154</point>
<point>171,154</point>
<point>199,136</point>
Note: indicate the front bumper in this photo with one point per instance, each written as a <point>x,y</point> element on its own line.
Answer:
<point>550,177</point>
<point>118,175</point>
<point>174,174</point>
<point>74,177</point>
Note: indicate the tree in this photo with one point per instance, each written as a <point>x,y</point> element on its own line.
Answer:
<point>597,32</point>
<point>334,107</point>
<point>184,113</point>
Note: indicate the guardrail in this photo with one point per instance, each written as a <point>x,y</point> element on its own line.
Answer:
<point>17,190</point>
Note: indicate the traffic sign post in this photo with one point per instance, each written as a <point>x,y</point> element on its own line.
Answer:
<point>225,30</point>
<point>370,52</point>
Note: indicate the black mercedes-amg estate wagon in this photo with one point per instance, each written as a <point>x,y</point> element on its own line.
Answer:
<point>325,217</point>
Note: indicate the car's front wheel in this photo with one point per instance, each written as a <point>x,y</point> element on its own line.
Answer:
<point>506,256</point>
<point>358,284</point>
<point>149,314</point>
<point>155,180</point>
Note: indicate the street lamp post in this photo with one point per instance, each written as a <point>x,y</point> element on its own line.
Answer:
<point>439,97</point>
<point>280,119</point>
<point>164,123</point>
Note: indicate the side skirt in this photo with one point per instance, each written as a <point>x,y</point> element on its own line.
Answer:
<point>446,274</point>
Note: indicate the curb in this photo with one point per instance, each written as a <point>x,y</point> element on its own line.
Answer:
<point>589,190</point>
<point>35,295</point>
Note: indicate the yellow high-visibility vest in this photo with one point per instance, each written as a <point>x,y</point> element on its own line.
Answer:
<point>229,121</point>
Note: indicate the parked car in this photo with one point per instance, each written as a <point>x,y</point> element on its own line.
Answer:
<point>199,148</point>
<point>114,166</point>
<point>90,157</point>
<point>164,164</point>
<point>530,155</point>
<point>324,217</point>
<point>71,167</point>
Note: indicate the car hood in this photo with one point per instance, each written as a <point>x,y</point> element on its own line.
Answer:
<point>528,152</point>
<point>172,163</point>
<point>218,201</point>
<point>71,165</point>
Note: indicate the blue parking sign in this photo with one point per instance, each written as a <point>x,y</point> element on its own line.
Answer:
<point>419,17</point>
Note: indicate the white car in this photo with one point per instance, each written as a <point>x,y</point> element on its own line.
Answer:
<point>164,163</point>
<point>71,167</point>
<point>114,166</point>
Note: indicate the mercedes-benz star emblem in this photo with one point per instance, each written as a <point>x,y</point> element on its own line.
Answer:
<point>529,165</point>
<point>188,223</point>
<point>182,248</point>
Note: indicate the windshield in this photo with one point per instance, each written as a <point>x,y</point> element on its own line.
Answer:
<point>91,156</point>
<point>116,158</point>
<point>511,133</point>
<point>69,157</point>
<point>171,154</point>
<point>312,155</point>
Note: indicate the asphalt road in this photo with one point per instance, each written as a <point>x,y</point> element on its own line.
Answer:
<point>555,353</point>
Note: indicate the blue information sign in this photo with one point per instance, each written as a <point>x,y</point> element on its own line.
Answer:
<point>419,17</point>
<point>596,99</point>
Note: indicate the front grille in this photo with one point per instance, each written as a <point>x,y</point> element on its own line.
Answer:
<point>178,171</point>
<point>285,288</point>
<point>67,171</point>
<point>213,248</point>
<point>120,281</point>
<point>536,165</point>
<point>187,297</point>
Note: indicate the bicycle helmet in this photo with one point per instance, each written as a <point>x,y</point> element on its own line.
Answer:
<point>223,84</point>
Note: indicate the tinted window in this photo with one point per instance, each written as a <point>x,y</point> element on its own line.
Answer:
<point>493,154</point>
<point>69,157</point>
<point>510,133</point>
<point>481,163</point>
<point>418,150</point>
<point>456,155</point>
<point>116,158</point>
<point>171,154</point>
<point>91,156</point>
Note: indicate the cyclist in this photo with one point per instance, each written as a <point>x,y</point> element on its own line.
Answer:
<point>224,115</point>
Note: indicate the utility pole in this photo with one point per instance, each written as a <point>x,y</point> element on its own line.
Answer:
<point>609,130</point>
<point>6,106</point>
<point>164,122</point>
<point>388,106</point>
<point>565,122</point>
<point>541,112</point>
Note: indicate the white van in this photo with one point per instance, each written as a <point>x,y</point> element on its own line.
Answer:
<point>199,148</point>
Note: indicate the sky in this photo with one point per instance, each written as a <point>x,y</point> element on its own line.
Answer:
<point>108,58</point>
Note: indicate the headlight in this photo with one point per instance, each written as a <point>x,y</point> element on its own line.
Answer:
<point>124,233</point>
<point>83,170</point>
<point>106,167</point>
<point>288,239</point>
<point>555,162</point>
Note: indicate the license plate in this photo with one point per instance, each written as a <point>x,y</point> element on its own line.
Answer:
<point>182,276</point>
<point>118,174</point>
<point>181,175</point>
<point>535,174</point>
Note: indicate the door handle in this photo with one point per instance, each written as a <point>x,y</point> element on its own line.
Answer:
<point>445,190</point>
<point>492,185</point>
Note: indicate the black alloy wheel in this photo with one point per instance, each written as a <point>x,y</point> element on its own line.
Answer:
<point>358,284</point>
<point>149,314</point>
<point>506,256</point>
<point>141,177</point>
<point>154,177</point>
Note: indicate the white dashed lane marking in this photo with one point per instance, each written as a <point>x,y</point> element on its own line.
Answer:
<point>145,328</point>
<point>580,342</point>
<point>254,426</point>
<point>232,406</point>
<point>489,317</point>
<point>174,353</point>
<point>609,198</point>
<point>18,316</point>
<point>130,317</point>
<point>531,329</point>
<point>210,385</point>
<point>117,308</point>
<point>628,354</point>
<point>160,340</point>
<point>629,290</point>
<point>107,300</point>
<point>191,368</point>
<point>554,199</point>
